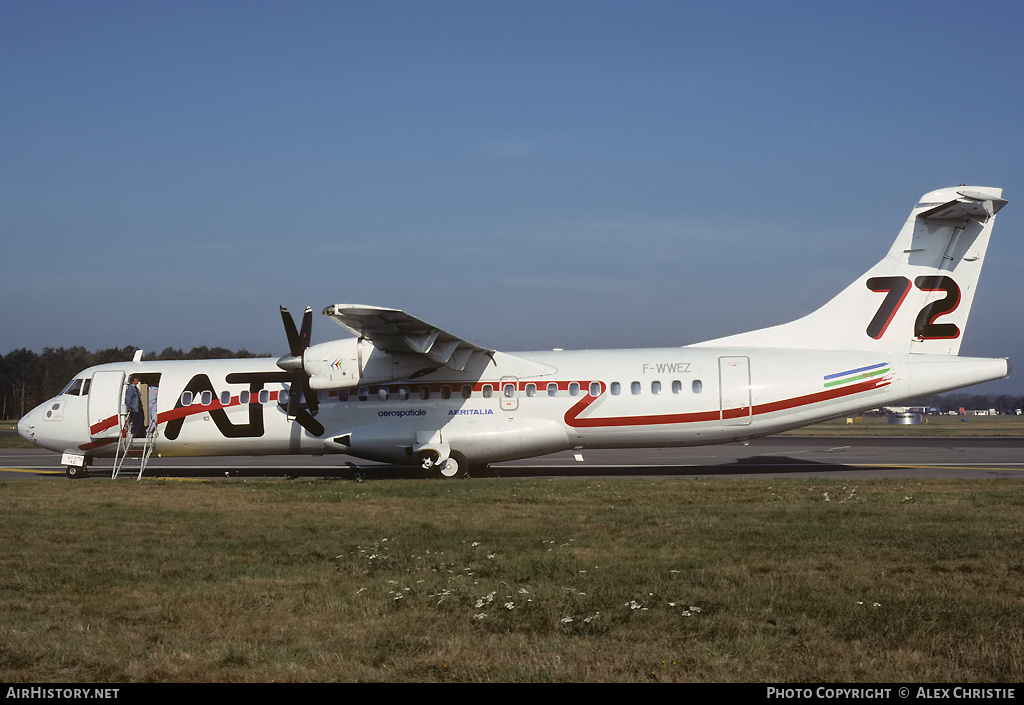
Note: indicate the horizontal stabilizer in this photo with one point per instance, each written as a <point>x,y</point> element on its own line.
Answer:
<point>975,204</point>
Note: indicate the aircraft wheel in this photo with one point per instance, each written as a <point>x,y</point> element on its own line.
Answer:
<point>428,459</point>
<point>454,467</point>
<point>75,472</point>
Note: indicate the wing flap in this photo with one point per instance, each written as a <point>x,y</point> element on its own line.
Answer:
<point>395,331</point>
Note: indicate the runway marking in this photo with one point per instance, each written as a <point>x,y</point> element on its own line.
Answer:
<point>945,466</point>
<point>35,472</point>
<point>174,479</point>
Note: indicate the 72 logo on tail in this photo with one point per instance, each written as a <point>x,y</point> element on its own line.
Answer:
<point>925,327</point>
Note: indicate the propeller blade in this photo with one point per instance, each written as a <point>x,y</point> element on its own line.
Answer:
<point>299,391</point>
<point>312,397</point>
<point>306,420</point>
<point>294,396</point>
<point>294,342</point>
<point>307,327</point>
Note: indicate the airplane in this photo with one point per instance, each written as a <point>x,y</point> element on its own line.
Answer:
<point>403,391</point>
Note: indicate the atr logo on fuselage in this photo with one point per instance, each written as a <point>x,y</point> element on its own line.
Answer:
<point>254,428</point>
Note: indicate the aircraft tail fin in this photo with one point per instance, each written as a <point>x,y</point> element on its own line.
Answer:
<point>917,298</point>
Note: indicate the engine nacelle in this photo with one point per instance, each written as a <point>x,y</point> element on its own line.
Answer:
<point>355,361</point>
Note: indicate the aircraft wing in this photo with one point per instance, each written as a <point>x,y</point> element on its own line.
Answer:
<point>395,331</point>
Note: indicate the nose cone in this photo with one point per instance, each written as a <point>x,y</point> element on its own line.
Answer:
<point>27,427</point>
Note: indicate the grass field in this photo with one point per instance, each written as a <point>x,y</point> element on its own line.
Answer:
<point>503,580</point>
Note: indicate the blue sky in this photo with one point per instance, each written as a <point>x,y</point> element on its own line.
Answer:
<point>526,175</point>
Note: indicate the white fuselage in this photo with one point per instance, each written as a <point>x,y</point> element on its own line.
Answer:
<point>518,405</point>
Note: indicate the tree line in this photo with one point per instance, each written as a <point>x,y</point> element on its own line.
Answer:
<point>28,378</point>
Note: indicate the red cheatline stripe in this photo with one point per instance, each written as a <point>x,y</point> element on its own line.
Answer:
<point>572,415</point>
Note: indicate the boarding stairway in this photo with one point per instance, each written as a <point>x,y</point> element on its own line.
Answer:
<point>128,445</point>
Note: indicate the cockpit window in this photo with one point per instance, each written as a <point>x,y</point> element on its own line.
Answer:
<point>74,388</point>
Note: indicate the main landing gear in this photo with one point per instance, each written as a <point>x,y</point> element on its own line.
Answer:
<point>455,466</point>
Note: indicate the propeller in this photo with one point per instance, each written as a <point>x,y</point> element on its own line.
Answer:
<point>298,341</point>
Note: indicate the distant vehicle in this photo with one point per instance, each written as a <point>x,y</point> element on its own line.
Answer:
<point>405,391</point>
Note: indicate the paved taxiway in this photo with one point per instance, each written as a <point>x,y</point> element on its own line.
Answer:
<point>775,456</point>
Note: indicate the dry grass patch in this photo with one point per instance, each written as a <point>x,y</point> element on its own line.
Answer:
<point>498,580</point>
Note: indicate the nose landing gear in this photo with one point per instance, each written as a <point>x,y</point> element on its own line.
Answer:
<point>76,466</point>
<point>76,472</point>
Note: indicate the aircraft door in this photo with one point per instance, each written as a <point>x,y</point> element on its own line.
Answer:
<point>508,393</point>
<point>105,402</point>
<point>734,390</point>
